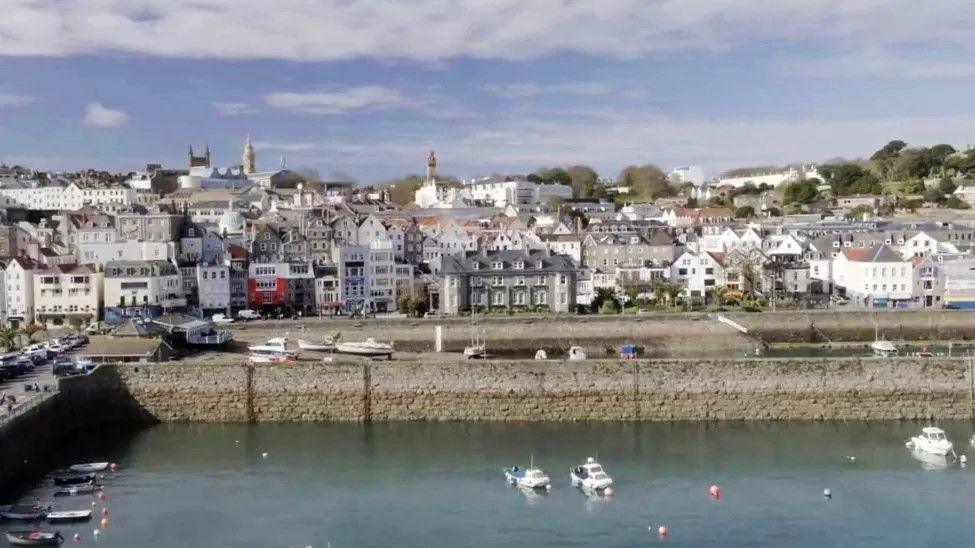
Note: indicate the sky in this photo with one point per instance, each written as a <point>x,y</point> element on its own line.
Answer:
<point>364,89</point>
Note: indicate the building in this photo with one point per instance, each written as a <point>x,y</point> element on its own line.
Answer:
<point>367,277</point>
<point>19,291</point>
<point>959,282</point>
<point>281,288</point>
<point>516,191</point>
<point>142,289</point>
<point>688,174</point>
<point>699,272</point>
<point>771,178</point>
<point>508,280</point>
<point>608,251</point>
<point>151,227</point>
<point>67,295</point>
<point>874,276</point>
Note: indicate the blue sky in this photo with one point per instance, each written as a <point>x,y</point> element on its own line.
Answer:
<point>366,88</point>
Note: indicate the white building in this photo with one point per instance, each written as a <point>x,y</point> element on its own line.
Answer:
<point>874,276</point>
<point>132,250</point>
<point>698,272</point>
<point>773,178</point>
<point>959,281</point>
<point>19,289</point>
<point>142,288</point>
<point>213,288</point>
<point>65,295</point>
<point>366,276</point>
<point>63,196</point>
<point>212,177</point>
<point>517,192</point>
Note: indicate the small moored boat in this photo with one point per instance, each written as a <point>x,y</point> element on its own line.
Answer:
<point>68,516</point>
<point>576,354</point>
<point>87,467</point>
<point>34,538</point>
<point>74,479</point>
<point>590,476</point>
<point>326,345</point>
<point>370,347</point>
<point>23,512</point>
<point>932,440</point>
<point>531,477</point>
<point>77,490</point>
<point>277,345</point>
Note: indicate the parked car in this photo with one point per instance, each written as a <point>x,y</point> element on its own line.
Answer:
<point>65,367</point>
<point>221,319</point>
<point>248,314</point>
<point>54,345</point>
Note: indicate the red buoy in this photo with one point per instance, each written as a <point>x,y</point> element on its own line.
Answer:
<point>715,492</point>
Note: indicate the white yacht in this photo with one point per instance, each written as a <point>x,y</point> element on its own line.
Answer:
<point>576,354</point>
<point>531,477</point>
<point>932,440</point>
<point>883,348</point>
<point>325,345</point>
<point>590,476</point>
<point>370,347</point>
<point>273,351</point>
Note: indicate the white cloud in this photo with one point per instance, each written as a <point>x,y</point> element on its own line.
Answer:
<point>15,99</point>
<point>340,102</point>
<point>98,115</point>
<point>882,63</point>
<point>232,108</point>
<point>429,31</point>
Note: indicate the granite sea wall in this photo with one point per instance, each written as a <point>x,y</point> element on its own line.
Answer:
<point>817,389</point>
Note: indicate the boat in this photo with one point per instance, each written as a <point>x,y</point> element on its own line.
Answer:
<point>326,345</point>
<point>370,347</point>
<point>883,348</point>
<point>477,348</point>
<point>576,354</point>
<point>86,467</point>
<point>74,479</point>
<point>275,350</point>
<point>531,477</point>
<point>930,461</point>
<point>34,538</point>
<point>23,512</point>
<point>541,354</point>
<point>590,476</point>
<point>932,440</point>
<point>77,490</point>
<point>68,516</point>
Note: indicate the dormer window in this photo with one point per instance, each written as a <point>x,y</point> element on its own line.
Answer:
<point>836,244</point>
<point>497,265</point>
<point>476,266</point>
<point>518,265</point>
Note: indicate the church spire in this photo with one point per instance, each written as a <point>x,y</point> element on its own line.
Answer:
<point>249,156</point>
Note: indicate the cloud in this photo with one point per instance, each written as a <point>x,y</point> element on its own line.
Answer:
<point>98,115</point>
<point>431,31</point>
<point>232,108</point>
<point>340,102</point>
<point>883,63</point>
<point>15,99</point>
<point>522,90</point>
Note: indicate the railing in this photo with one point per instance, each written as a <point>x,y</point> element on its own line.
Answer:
<point>23,408</point>
<point>218,337</point>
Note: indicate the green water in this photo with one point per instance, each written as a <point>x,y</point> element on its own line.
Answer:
<point>429,484</point>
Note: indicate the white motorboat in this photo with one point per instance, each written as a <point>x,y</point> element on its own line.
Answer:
<point>531,477</point>
<point>370,347</point>
<point>88,467</point>
<point>68,515</point>
<point>326,345</point>
<point>273,351</point>
<point>932,440</point>
<point>883,348</point>
<point>930,461</point>
<point>590,476</point>
<point>577,354</point>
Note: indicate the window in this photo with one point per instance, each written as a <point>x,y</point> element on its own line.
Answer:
<point>498,281</point>
<point>541,298</point>
<point>498,298</point>
<point>520,280</point>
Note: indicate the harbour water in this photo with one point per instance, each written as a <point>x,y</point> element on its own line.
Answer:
<point>440,484</point>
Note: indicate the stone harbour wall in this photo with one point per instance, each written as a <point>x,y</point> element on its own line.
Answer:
<point>855,389</point>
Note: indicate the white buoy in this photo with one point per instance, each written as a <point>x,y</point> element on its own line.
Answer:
<point>851,458</point>
<point>608,491</point>
<point>96,532</point>
<point>963,459</point>
<point>662,531</point>
<point>827,493</point>
<point>548,487</point>
<point>264,455</point>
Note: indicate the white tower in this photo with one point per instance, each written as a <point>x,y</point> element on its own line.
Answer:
<point>249,158</point>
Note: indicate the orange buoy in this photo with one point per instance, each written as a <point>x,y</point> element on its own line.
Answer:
<point>104,523</point>
<point>662,531</point>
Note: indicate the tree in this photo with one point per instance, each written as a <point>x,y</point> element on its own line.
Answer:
<point>584,180</point>
<point>745,212</point>
<point>799,192</point>
<point>850,179</point>
<point>420,308</point>
<point>648,181</point>
<point>912,205</point>
<point>912,187</point>
<point>860,212</point>
<point>774,212</point>
<point>602,295</point>
<point>8,337</point>
<point>609,307</point>
<point>885,157</point>
<point>401,191</point>
<point>947,186</point>
<point>553,175</point>
<point>29,331</point>
<point>954,202</point>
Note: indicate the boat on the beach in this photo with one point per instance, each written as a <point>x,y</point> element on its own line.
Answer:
<point>23,512</point>
<point>75,479</point>
<point>576,354</point>
<point>64,516</point>
<point>531,477</point>
<point>86,467</point>
<point>77,490</point>
<point>477,348</point>
<point>932,440</point>
<point>34,538</point>
<point>590,476</point>
<point>370,347</point>
<point>883,348</point>
<point>325,345</point>
<point>275,350</point>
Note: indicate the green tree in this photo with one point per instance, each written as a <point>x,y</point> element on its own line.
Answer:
<point>419,308</point>
<point>584,180</point>
<point>553,175</point>
<point>850,179</point>
<point>745,212</point>
<point>29,331</point>
<point>648,181</point>
<point>946,186</point>
<point>860,212</point>
<point>8,337</point>
<point>954,202</point>
<point>774,212</point>
<point>912,205</point>
<point>602,295</point>
<point>799,192</point>
<point>401,191</point>
<point>884,158</point>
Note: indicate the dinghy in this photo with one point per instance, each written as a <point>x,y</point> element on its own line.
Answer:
<point>77,490</point>
<point>22,512</point>
<point>69,515</point>
<point>370,347</point>
<point>34,538</point>
<point>88,467</point>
